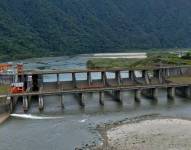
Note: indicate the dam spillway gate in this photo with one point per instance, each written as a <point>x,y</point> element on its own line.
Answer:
<point>146,82</point>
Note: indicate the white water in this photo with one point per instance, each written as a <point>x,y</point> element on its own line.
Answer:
<point>83,120</point>
<point>29,116</point>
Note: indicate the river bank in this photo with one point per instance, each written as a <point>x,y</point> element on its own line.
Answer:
<point>146,133</point>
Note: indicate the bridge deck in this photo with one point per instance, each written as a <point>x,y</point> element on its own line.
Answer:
<point>55,89</point>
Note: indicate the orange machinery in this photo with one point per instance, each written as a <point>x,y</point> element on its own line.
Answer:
<point>18,87</point>
<point>4,67</point>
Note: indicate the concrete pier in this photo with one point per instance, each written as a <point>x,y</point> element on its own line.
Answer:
<point>41,102</point>
<point>58,79</point>
<point>101,98</point>
<point>9,101</point>
<point>151,93</point>
<point>145,76</point>
<point>81,97</point>
<point>158,74</point>
<point>36,82</point>
<point>40,81</point>
<point>89,78</point>
<point>132,75</point>
<point>118,77</point>
<point>25,79</point>
<point>171,92</point>
<point>184,91</point>
<point>155,93</point>
<point>137,95</point>
<point>104,78</point>
<point>188,92</point>
<point>167,72</point>
<point>74,80</point>
<point>118,96</point>
<point>62,101</point>
<point>25,103</point>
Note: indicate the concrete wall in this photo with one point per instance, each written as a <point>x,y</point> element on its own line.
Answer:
<point>4,108</point>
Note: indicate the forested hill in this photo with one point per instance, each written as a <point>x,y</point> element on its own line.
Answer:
<point>54,27</point>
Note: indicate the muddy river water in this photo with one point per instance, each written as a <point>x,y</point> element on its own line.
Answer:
<point>71,127</point>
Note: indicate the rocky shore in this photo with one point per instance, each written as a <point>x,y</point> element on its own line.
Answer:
<point>156,133</point>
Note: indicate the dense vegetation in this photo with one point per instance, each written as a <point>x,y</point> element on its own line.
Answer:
<point>52,27</point>
<point>153,60</point>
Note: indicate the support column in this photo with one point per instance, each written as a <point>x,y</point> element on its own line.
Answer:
<point>155,93</point>
<point>104,78</point>
<point>132,75</point>
<point>9,101</point>
<point>40,81</point>
<point>61,101</point>
<point>81,99</point>
<point>74,80</point>
<point>101,98</point>
<point>35,83</point>
<point>167,72</point>
<point>118,96</point>
<point>157,74</point>
<point>145,76</point>
<point>89,78</point>
<point>29,100</point>
<point>20,78</point>
<point>137,95</point>
<point>188,92</point>
<point>118,77</point>
<point>40,103</point>
<point>151,93</point>
<point>29,84</point>
<point>58,79</point>
<point>14,100</point>
<point>25,103</point>
<point>180,71</point>
<point>171,92</point>
<point>25,82</point>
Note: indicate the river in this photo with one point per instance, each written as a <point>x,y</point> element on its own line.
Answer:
<point>66,129</point>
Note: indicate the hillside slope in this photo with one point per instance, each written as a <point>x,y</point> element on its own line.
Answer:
<point>53,27</point>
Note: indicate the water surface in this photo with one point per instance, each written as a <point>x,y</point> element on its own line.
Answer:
<point>71,127</point>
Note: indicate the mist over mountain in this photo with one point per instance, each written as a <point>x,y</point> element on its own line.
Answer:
<point>31,28</point>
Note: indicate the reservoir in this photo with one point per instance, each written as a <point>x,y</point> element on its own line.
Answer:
<point>73,127</point>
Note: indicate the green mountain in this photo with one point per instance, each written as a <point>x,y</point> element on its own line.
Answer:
<point>30,28</point>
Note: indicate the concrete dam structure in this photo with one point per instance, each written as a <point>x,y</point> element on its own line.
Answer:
<point>141,81</point>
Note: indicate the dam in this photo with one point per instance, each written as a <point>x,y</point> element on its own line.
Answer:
<point>141,81</point>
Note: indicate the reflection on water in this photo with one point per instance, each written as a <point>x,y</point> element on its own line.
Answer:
<point>73,126</point>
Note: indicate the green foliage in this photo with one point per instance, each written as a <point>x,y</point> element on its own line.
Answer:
<point>98,63</point>
<point>34,28</point>
<point>153,60</point>
<point>187,56</point>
